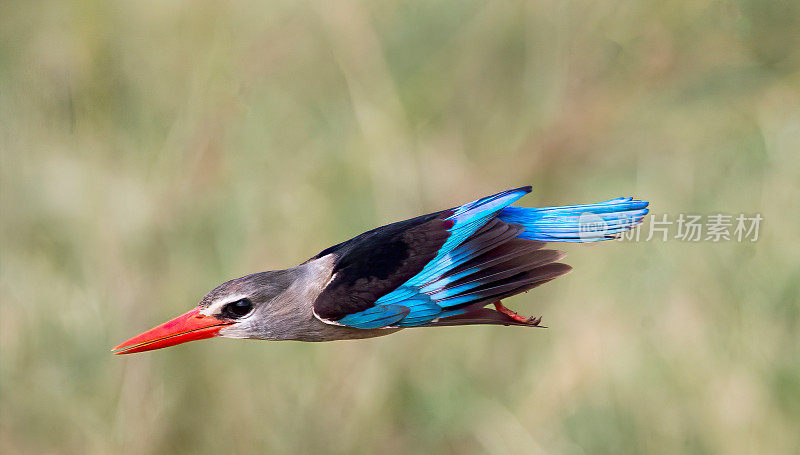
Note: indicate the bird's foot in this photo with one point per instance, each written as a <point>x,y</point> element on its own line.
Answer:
<point>532,321</point>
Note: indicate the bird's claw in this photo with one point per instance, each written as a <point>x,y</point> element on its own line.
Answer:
<point>533,321</point>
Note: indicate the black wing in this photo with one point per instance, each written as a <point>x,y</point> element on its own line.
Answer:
<point>378,261</point>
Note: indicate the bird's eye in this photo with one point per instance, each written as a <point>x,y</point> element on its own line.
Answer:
<point>237,309</point>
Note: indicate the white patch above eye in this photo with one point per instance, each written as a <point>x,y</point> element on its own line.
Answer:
<point>216,307</point>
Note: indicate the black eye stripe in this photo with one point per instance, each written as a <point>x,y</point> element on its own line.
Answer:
<point>237,309</point>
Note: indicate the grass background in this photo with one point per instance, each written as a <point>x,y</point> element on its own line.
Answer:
<point>151,150</point>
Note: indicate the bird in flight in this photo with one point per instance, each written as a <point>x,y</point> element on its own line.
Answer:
<point>447,268</point>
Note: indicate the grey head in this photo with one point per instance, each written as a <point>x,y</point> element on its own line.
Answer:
<point>278,305</point>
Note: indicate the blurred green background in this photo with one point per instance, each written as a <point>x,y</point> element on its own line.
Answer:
<point>151,150</point>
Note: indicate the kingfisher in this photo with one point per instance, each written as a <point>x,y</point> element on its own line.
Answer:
<point>448,268</point>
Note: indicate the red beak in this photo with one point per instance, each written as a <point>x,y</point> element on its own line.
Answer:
<point>186,327</point>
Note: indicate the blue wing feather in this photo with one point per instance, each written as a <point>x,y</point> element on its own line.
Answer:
<point>375,317</point>
<point>467,219</point>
